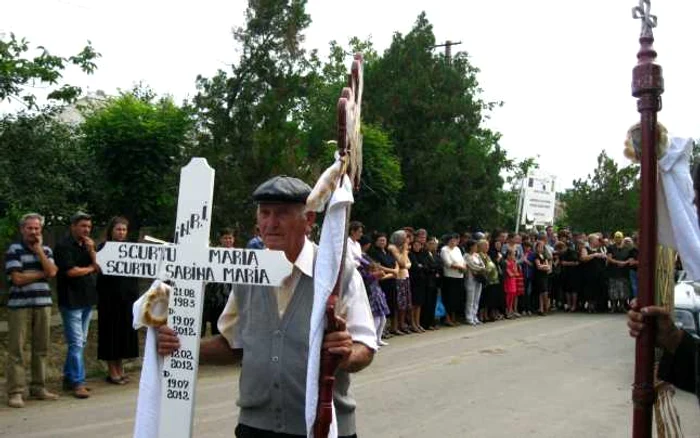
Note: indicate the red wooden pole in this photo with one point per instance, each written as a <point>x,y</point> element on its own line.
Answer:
<point>647,87</point>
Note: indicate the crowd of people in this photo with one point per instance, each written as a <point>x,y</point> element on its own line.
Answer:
<point>416,282</point>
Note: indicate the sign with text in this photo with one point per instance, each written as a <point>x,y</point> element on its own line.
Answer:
<point>539,200</point>
<point>211,265</point>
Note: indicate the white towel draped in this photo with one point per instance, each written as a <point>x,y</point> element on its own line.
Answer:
<point>148,403</point>
<point>677,217</point>
<point>328,262</point>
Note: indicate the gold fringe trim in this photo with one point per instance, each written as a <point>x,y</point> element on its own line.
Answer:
<point>668,424</point>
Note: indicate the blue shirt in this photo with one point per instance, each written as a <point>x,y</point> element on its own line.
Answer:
<point>255,243</point>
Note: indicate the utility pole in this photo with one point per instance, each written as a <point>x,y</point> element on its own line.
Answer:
<point>448,49</point>
<point>521,204</point>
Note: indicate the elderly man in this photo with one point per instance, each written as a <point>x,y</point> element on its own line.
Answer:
<point>267,328</point>
<point>29,265</point>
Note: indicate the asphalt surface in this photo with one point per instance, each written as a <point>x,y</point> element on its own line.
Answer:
<point>556,376</point>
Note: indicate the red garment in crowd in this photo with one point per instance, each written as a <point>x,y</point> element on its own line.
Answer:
<point>510,282</point>
<point>520,283</point>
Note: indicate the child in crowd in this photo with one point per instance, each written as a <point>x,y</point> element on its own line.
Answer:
<point>372,273</point>
<point>510,284</point>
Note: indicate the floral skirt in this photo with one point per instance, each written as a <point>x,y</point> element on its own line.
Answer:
<point>377,301</point>
<point>403,294</point>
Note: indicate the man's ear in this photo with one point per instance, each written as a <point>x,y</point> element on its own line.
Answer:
<point>310,217</point>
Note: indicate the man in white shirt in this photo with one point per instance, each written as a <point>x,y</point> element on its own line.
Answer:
<point>271,325</point>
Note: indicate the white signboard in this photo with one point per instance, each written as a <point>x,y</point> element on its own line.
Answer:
<point>189,263</point>
<point>539,200</point>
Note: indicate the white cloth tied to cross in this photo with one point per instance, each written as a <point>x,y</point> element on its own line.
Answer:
<point>677,216</point>
<point>328,263</point>
<point>148,403</point>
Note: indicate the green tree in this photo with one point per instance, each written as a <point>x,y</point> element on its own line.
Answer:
<point>20,71</point>
<point>375,203</point>
<point>45,167</point>
<point>381,179</point>
<point>246,117</point>
<point>430,107</point>
<point>608,200</point>
<point>139,143</point>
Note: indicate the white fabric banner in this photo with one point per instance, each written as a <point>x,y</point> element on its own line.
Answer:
<point>328,262</point>
<point>148,403</point>
<point>677,216</point>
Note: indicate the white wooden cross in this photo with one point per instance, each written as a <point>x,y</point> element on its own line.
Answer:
<point>189,262</point>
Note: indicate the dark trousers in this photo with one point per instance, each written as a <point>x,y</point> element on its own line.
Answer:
<point>211,315</point>
<point>243,431</point>
<point>452,293</point>
<point>427,313</point>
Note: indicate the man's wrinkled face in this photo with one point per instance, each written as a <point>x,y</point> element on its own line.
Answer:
<point>31,230</point>
<point>283,226</point>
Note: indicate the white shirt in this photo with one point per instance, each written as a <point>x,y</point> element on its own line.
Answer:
<point>451,257</point>
<point>353,303</point>
<point>355,251</point>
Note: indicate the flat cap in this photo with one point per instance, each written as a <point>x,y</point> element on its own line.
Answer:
<point>282,190</point>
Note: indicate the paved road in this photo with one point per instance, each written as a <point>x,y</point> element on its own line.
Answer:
<point>558,376</point>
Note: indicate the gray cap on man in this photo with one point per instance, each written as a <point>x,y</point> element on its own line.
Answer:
<point>282,190</point>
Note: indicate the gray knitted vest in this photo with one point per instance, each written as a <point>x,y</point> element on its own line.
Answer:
<point>273,377</point>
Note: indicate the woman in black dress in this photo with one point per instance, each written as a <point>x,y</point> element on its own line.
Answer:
<point>593,260</point>
<point>419,282</point>
<point>569,275</point>
<point>116,337</point>
<point>433,262</point>
<point>543,269</point>
<point>390,267</point>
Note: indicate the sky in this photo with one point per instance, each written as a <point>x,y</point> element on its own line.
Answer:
<point>562,68</point>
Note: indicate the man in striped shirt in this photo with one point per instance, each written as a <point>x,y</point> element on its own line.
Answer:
<point>28,265</point>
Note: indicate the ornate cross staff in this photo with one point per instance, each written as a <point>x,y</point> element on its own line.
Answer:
<point>647,87</point>
<point>349,163</point>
